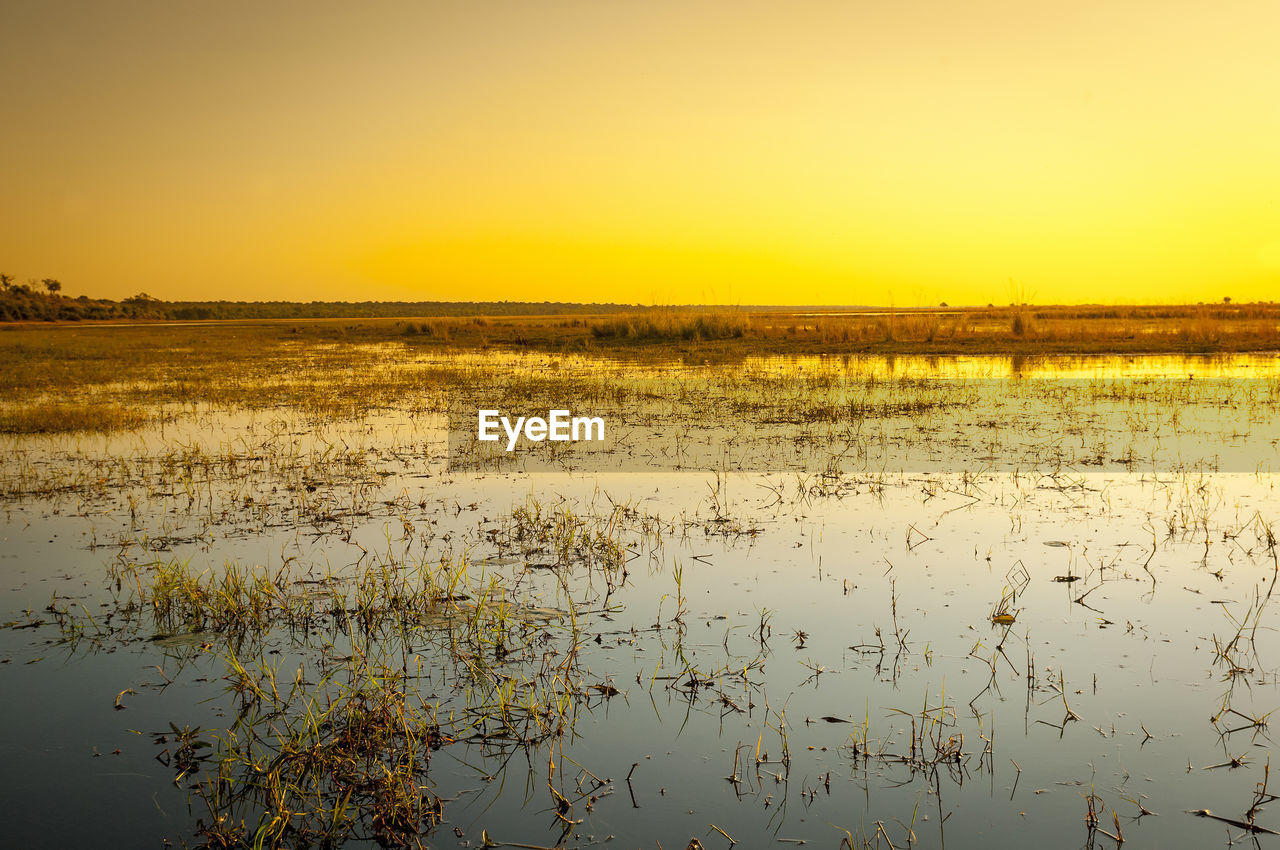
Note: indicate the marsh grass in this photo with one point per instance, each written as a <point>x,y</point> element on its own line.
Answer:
<point>1015,329</point>
<point>57,417</point>
<point>483,642</point>
<point>394,660</point>
<point>673,325</point>
<point>273,362</point>
<point>317,765</point>
<point>101,379</point>
<point>341,749</point>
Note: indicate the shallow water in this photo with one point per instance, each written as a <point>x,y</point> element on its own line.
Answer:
<point>829,612</point>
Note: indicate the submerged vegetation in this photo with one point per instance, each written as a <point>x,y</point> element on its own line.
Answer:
<point>896,602</point>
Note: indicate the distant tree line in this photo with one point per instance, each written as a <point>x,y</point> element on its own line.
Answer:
<point>378,309</point>
<point>43,301</point>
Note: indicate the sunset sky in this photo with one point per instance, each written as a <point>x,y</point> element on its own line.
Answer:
<point>661,152</point>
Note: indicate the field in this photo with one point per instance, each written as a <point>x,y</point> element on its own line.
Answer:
<point>883,579</point>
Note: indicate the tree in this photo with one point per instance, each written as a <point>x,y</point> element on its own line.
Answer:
<point>6,281</point>
<point>51,284</point>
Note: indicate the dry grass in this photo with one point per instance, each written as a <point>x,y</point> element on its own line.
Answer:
<point>991,330</point>
<point>672,325</point>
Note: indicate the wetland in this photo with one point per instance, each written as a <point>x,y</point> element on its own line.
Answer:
<point>266,590</point>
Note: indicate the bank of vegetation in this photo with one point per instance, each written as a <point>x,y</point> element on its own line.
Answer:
<point>695,329</point>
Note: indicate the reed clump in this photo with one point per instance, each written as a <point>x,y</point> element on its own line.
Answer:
<point>318,766</point>
<point>673,325</point>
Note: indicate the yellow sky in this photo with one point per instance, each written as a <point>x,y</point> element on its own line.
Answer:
<point>662,152</point>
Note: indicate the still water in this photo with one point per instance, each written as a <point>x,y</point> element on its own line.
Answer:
<point>952,652</point>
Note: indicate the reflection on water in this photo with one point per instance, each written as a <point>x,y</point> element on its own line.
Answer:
<point>1233,365</point>
<point>1057,366</point>
<point>922,414</point>
<point>967,656</point>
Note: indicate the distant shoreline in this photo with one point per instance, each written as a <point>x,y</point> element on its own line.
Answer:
<point>711,333</point>
<point>25,302</point>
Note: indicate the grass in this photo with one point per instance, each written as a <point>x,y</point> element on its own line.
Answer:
<point>73,377</point>
<point>340,750</point>
<point>310,766</point>
<point>672,325</point>
<point>44,417</point>
<point>419,645</point>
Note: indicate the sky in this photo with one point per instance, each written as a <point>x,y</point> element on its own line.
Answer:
<point>723,151</point>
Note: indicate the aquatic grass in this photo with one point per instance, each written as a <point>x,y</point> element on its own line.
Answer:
<point>346,759</point>
<point>418,623</point>
<point>59,417</point>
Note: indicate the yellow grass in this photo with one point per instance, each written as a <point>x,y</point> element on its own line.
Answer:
<point>66,417</point>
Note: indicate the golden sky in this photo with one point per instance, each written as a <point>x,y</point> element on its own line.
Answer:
<point>723,151</point>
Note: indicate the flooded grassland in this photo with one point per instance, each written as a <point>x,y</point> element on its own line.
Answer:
<point>835,601</point>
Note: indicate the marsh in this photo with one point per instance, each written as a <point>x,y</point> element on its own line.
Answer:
<point>924,600</point>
